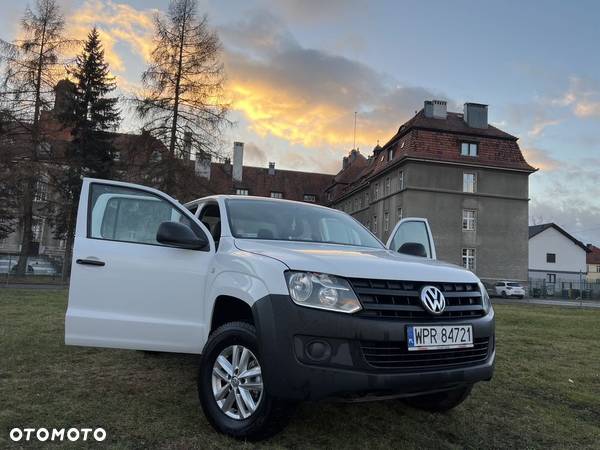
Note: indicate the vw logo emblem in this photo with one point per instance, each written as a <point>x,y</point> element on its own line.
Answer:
<point>433,300</point>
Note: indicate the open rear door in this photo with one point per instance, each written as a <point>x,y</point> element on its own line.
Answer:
<point>412,236</point>
<point>127,289</point>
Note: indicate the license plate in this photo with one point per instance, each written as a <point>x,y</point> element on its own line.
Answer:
<point>439,337</point>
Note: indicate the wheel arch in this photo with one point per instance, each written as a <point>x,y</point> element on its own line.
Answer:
<point>237,289</point>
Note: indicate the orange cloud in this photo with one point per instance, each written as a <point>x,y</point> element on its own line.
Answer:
<point>118,23</point>
<point>541,159</point>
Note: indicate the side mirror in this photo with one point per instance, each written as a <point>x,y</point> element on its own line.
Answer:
<point>176,234</point>
<point>413,248</point>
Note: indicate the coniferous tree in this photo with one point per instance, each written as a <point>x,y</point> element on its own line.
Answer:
<point>183,104</point>
<point>90,154</point>
<point>31,65</point>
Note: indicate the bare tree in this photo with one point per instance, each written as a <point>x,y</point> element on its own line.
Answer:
<point>183,103</point>
<point>31,67</point>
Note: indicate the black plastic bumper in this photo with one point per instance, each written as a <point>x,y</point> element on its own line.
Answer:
<point>286,330</point>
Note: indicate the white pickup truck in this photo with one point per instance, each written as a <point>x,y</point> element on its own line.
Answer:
<point>284,301</point>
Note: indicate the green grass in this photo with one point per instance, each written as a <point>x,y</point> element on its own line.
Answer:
<point>545,392</point>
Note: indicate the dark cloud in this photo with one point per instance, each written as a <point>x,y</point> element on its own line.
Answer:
<point>309,96</point>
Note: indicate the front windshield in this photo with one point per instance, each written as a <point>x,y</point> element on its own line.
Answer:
<point>273,220</point>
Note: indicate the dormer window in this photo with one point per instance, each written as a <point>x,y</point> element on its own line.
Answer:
<point>469,149</point>
<point>390,154</point>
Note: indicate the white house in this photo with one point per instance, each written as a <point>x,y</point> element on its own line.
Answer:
<point>555,256</point>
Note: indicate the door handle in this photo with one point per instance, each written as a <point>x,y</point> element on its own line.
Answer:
<point>90,262</point>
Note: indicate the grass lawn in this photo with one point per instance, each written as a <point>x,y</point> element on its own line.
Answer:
<point>545,392</point>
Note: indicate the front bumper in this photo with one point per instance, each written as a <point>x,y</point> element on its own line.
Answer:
<point>286,330</point>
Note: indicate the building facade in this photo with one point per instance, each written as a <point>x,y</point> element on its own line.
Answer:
<point>555,256</point>
<point>468,178</point>
<point>593,264</point>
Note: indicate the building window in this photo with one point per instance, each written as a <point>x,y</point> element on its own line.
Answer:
<point>469,219</point>
<point>355,203</point>
<point>550,257</point>
<point>310,198</point>
<point>401,180</point>
<point>37,229</point>
<point>241,192</point>
<point>117,155</point>
<point>597,268</point>
<point>468,258</point>
<point>399,212</point>
<point>468,149</point>
<point>367,198</point>
<point>551,277</point>
<point>360,201</point>
<point>276,194</point>
<point>41,191</point>
<point>156,156</point>
<point>374,224</point>
<point>376,192</point>
<point>390,154</point>
<point>469,182</point>
<point>388,186</point>
<point>386,222</point>
<point>402,144</point>
<point>329,196</point>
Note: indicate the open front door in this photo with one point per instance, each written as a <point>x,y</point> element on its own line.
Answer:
<point>128,290</point>
<point>412,236</point>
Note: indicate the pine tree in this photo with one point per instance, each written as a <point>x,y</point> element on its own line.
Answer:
<point>90,154</point>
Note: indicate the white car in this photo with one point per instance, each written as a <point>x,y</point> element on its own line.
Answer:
<point>285,301</point>
<point>509,289</point>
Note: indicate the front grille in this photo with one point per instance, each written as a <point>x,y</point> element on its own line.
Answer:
<point>401,299</point>
<point>395,355</point>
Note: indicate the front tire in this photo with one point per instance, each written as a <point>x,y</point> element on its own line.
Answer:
<point>440,401</point>
<point>231,388</point>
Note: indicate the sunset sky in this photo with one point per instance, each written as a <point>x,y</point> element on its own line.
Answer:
<point>297,71</point>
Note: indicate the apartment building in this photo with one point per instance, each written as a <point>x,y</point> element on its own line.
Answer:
<point>467,177</point>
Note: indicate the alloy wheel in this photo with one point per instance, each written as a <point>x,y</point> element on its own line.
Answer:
<point>237,382</point>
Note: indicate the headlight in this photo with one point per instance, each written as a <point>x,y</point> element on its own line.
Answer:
<point>322,291</point>
<point>485,298</point>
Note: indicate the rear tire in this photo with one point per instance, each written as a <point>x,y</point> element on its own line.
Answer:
<point>440,401</point>
<point>504,294</point>
<point>521,297</point>
<point>269,414</point>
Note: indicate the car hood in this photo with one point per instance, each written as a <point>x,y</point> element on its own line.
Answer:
<point>356,262</point>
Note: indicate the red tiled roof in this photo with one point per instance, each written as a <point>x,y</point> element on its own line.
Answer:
<point>292,184</point>
<point>435,139</point>
<point>593,257</point>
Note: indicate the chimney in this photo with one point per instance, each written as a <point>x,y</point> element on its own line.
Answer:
<point>64,98</point>
<point>202,166</point>
<point>476,115</point>
<point>271,168</point>
<point>187,145</point>
<point>345,163</point>
<point>238,161</point>
<point>436,109</point>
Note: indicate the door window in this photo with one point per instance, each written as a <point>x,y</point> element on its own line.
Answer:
<point>130,215</point>
<point>412,231</point>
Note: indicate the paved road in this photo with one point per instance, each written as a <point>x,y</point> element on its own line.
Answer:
<point>542,301</point>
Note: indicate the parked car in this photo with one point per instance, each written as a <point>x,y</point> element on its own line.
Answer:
<point>6,265</point>
<point>35,266</point>
<point>285,301</point>
<point>509,289</point>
